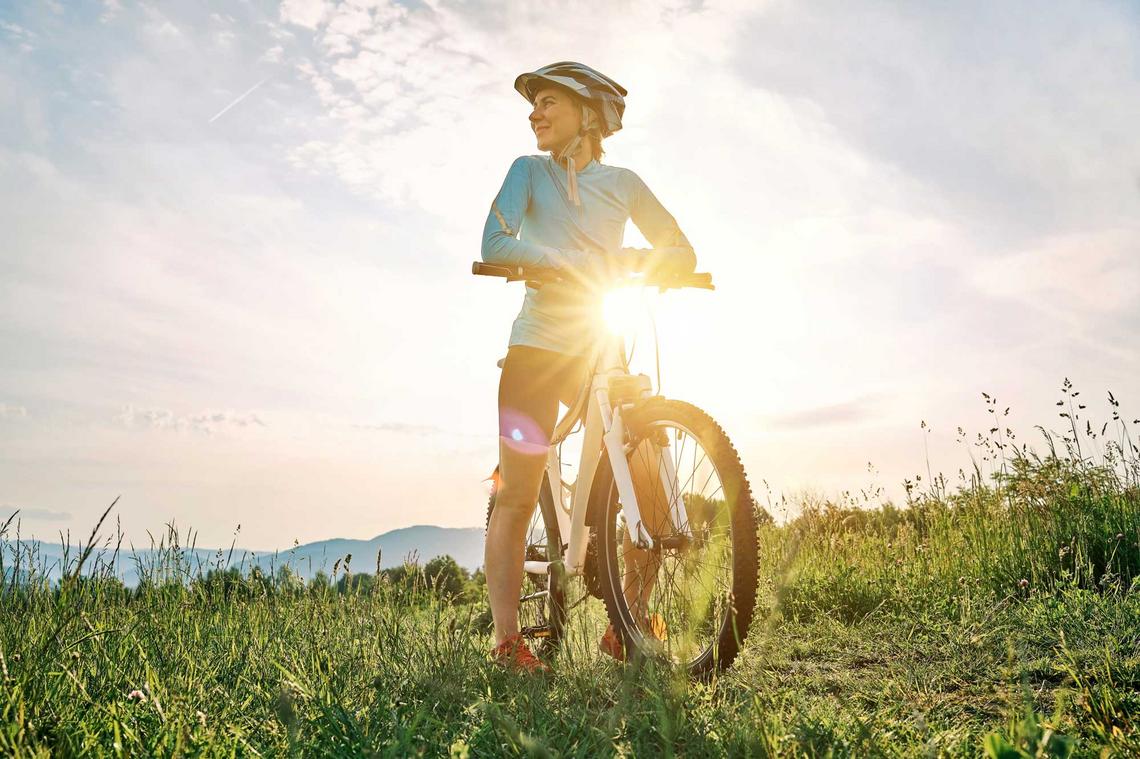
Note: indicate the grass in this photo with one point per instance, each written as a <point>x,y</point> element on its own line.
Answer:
<point>999,617</point>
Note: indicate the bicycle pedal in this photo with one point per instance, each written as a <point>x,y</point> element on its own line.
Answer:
<point>678,542</point>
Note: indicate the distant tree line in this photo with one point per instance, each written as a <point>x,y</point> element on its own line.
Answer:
<point>441,576</point>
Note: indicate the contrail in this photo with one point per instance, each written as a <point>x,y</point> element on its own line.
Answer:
<point>240,98</point>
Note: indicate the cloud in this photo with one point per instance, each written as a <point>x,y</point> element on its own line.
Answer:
<point>111,8</point>
<point>274,54</point>
<point>1093,271</point>
<point>846,412</point>
<point>161,27</point>
<point>164,419</point>
<point>972,101</point>
<point>401,428</point>
<point>9,411</point>
<point>227,417</point>
<point>24,38</point>
<point>34,514</point>
<point>15,30</point>
<point>306,13</point>
<point>408,90</point>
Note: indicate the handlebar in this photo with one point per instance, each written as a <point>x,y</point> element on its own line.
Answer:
<point>664,281</point>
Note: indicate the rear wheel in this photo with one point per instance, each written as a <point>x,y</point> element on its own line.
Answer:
<point>542,601</point>
<point>690,598</point>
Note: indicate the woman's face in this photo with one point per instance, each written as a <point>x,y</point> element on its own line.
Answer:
<point>555,119</point>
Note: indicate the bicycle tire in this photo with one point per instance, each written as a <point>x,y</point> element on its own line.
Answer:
<point>553,613</point>
<point>739,605</point>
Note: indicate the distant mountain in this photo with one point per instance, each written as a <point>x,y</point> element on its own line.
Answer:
<point>422,542</point>
<point>425,542</point>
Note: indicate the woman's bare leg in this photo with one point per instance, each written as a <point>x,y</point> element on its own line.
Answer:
<point>520,479</point>
<point>641,565</point>
<point>532,382</point>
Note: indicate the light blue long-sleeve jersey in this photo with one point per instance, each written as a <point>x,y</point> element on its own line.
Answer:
<point>533,223</point>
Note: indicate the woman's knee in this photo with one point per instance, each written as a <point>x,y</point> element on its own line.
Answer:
<point>517,498</point>
<point>520,478</point>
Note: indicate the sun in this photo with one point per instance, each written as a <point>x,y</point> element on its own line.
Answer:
<point>625,309</point>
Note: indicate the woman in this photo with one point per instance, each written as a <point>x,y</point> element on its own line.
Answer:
<point>566,212</point>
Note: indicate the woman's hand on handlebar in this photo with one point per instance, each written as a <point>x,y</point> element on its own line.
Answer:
<point>658,261</point>
<point>629,260</point>
<point>596,269</point>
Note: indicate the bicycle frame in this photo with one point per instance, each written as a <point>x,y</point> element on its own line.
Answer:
<point>604,434</point>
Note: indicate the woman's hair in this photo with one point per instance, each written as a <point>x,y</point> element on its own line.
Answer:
<point>594,130</point>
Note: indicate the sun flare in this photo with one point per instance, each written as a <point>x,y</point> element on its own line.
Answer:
<point>625,309</point>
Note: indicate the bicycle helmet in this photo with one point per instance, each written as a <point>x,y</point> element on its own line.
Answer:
<point>594,87</point>
<point>603,103</point>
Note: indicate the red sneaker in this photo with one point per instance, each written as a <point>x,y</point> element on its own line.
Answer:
<point>657,628</point>
<point>611,644</point>
<point>514,654</point>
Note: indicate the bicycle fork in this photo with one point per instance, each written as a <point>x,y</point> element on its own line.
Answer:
<point>618,448</point>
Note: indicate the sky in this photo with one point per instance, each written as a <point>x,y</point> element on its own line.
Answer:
<point>234,267</point>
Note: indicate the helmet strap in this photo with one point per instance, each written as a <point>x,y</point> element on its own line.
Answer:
<point>567,155</point>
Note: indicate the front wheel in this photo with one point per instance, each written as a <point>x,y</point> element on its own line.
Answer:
<point>690,598</point>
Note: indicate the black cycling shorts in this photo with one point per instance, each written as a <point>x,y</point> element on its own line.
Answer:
<point>533,382</point>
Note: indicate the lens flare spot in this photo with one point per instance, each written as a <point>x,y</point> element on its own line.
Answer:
<point>521,433</point>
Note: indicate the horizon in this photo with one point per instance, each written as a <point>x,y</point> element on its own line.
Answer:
<point>235,287</point>
<point>421,544</point>
<point>191,534</point>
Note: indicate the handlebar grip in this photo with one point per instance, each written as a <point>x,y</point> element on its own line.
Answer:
<point>701,280</point>
<point>491,270</point>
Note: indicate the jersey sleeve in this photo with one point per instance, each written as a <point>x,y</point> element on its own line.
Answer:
<point>500,233</point>
<point>659,227</point>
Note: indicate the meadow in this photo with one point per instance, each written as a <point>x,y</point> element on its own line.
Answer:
<point>994,614</point>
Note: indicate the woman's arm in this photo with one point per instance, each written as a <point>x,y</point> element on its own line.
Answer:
<point>671,248</point>
<point>500,234</point>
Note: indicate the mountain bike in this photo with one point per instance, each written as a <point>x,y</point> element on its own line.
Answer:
<point>659,522</point>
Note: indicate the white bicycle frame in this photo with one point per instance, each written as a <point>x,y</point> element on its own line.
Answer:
<point>604,433</point>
